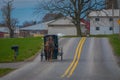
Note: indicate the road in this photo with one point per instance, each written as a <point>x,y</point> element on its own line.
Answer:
<point>96,62</point>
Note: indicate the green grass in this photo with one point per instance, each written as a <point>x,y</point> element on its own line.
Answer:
<point>5,71</point>
<point>27,48</point>
<point>100,35</point>
<point>115,42</point>
<point>89,36</point>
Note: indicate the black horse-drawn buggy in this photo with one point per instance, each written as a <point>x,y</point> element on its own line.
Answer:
<point>51,48</point>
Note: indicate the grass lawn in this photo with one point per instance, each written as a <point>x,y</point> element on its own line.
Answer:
<point>27,48</point>
<point>115,41</point>
<point>100,36</point>
<point>5,71</point>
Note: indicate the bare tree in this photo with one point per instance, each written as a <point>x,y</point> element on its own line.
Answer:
<point>7,16</point>
<point>29,23</point>
<point>76,9</point>
<point>111,4</point>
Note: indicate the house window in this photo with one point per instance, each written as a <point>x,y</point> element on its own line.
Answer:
<point>110,19</point>
<point>111,28</point>
<point>97,28</point>
<point>97,19</point>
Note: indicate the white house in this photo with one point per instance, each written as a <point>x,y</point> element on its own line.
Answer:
<point>64,26</point>
<point>104,22</point>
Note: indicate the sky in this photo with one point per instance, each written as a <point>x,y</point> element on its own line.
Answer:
<point>24,10</point>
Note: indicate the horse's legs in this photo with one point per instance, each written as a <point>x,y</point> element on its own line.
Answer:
<point>51,53</point>
<point>47,53</point>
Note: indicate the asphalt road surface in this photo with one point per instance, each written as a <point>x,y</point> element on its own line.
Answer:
<point>94,62</point>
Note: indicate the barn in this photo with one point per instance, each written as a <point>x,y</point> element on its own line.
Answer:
<point>64,26</point>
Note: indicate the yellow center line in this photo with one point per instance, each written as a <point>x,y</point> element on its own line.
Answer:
<point>74,63</point>
<point>77,60</point>
<point>70,66</point>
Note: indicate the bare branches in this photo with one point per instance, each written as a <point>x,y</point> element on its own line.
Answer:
<point>7,16</point>
<point>111,4</point>
<point>76,9</point>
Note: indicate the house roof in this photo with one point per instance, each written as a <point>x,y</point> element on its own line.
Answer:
<point>41,26</point>
<point>104,13</point>
<point>63,21</point>
<point>4,29</point>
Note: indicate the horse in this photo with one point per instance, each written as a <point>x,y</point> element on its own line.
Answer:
<point>51,47</point>
<point>46,50</point>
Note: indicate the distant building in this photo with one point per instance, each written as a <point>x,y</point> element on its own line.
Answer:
<point>4,32</point>
<point>64,26</point>
<point>104,22</point>
<point>34,30</point>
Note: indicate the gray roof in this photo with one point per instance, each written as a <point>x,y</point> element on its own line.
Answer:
<point>4,29</point>
<point>105,13</point>
<point>63,21</point>
<point>40,26</point>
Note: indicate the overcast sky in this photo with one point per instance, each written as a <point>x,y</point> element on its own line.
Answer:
<point>22,3</point>
<point>24,10</point>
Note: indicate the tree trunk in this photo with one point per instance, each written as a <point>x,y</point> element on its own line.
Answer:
<point>11,33</point>
<point>78,29</point>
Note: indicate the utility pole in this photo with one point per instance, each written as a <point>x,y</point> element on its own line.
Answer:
<point>113,15</point>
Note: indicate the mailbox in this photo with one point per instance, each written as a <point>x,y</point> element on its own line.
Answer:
<point>15,48</point>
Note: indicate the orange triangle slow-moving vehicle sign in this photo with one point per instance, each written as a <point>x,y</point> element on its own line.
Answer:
<point>119,21</point>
